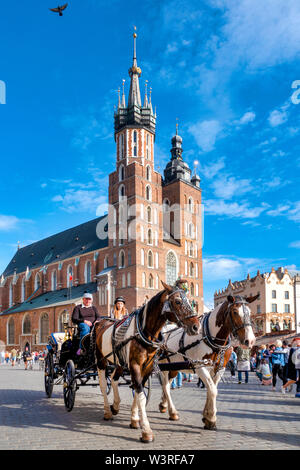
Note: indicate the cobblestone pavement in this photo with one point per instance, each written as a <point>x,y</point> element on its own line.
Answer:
<point>250,417</point>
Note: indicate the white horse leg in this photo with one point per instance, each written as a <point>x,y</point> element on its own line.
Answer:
<point>135,421</point>
<point>173,413</point>
<point>163,406</point>
<point>117,400</point>
<point>210,409</point>
<point>102,381</point>
<point>147,434</point>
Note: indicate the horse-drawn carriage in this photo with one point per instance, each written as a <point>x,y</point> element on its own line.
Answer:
<point>112,350</point>
<point>64,367</point>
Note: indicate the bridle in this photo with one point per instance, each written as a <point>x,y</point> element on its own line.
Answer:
<point>185,308</point>
<point>246,321</point>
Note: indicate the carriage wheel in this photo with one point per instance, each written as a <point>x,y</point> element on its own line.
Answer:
<point>147,389</point>
<point>69,385</point>
<point>49,375</point>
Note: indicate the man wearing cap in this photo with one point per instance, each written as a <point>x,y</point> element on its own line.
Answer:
<point>85,316</point>
<point>119,310</point>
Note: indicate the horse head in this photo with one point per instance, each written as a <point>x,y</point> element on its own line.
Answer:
<point>177,309</point>
<point>235,314</point>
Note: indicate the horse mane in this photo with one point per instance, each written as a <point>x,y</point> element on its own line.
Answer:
<point>155,301</point>
<point>221,315</point>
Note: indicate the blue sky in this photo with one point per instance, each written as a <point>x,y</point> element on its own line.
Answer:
<point>224,68</point>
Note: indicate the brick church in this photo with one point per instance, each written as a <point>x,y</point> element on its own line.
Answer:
<point>152,232</point>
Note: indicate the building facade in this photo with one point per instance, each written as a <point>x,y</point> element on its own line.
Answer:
<point>274,310</point>
<point>152,233</point>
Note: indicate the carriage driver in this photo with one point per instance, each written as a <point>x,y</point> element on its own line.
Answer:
<point>85,316</point>
<point>119,310</point>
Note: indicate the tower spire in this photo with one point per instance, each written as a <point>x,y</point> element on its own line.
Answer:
<point>134,98</point>
<point>146,97</point>
<point>123,94</point>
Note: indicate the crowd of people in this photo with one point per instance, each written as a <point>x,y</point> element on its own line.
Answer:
<point>269,362</point>
<point>26,358</point>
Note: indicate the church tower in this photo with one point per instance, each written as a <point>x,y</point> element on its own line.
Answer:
<point>135,195</point>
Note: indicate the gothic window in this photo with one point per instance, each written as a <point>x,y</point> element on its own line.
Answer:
<point>151,283</point>
<point>121,173</point>
<point>10,300</point>
<point>122,259</point>
<point>11,331</point>
<point>191,250</point>
<point>115,260</point>
<point>121,192</point>
<point>143,280</point>
<point>149,239</point>
<point>88,273</point>
<point>44,328</point>
<point>149,214</point>
<point>191,205</point>
<point>37,282</point>
<point>23,290</point>
<point>106,262</point>
<point>150,259</point>
<point>148,193</point>
<point>128,279</point>
<point>70,276</point>
<point>134,143</point>
<point>26,325</point>
<point>63,318</point>
<point>123,280</point>
<point>54,280</point>
<point>148,173</point>
<point>171,268</point>
<point>192,290</point>
<point>192,270</point>
<point>129,258</point>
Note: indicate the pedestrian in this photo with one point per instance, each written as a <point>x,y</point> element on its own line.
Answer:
<point>200,383</point>
<point>177,381</point>
<point>286,352</point>
<point>277,360</point>
<point>19,357</point>
<point>243,362</point>
<point>26,357</point>
<point>13,356</point>
<point>7,356</point>
<point>253,362</point>
<point>232,363</point>
<point>294,366</point>
<point>271,349</point>
<point>263,372</point>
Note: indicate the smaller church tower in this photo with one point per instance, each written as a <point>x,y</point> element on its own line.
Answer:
<point>182,219</point>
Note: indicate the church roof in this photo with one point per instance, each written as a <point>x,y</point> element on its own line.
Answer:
<point>54,298</point>
<point>72,242</point>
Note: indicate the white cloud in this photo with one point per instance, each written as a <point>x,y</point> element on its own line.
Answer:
<point>295,244</point>
<point>205,133</point>
<point>249,116</point>
<point>220,207</point>
<point>212,169</point>
<point>80,201</point>
<point>276,117</point>
<point>226,187</point>
<point>8,222</point>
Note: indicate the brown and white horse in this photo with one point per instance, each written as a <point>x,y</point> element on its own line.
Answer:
<point>232,317</point>
<point>140,346</point>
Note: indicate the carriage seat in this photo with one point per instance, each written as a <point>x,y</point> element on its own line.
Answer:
<point>58,339</point>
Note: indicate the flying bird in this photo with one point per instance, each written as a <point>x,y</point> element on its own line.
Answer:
<point>59,9</point>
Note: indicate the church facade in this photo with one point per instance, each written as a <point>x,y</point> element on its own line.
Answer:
<point>152,232</point>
